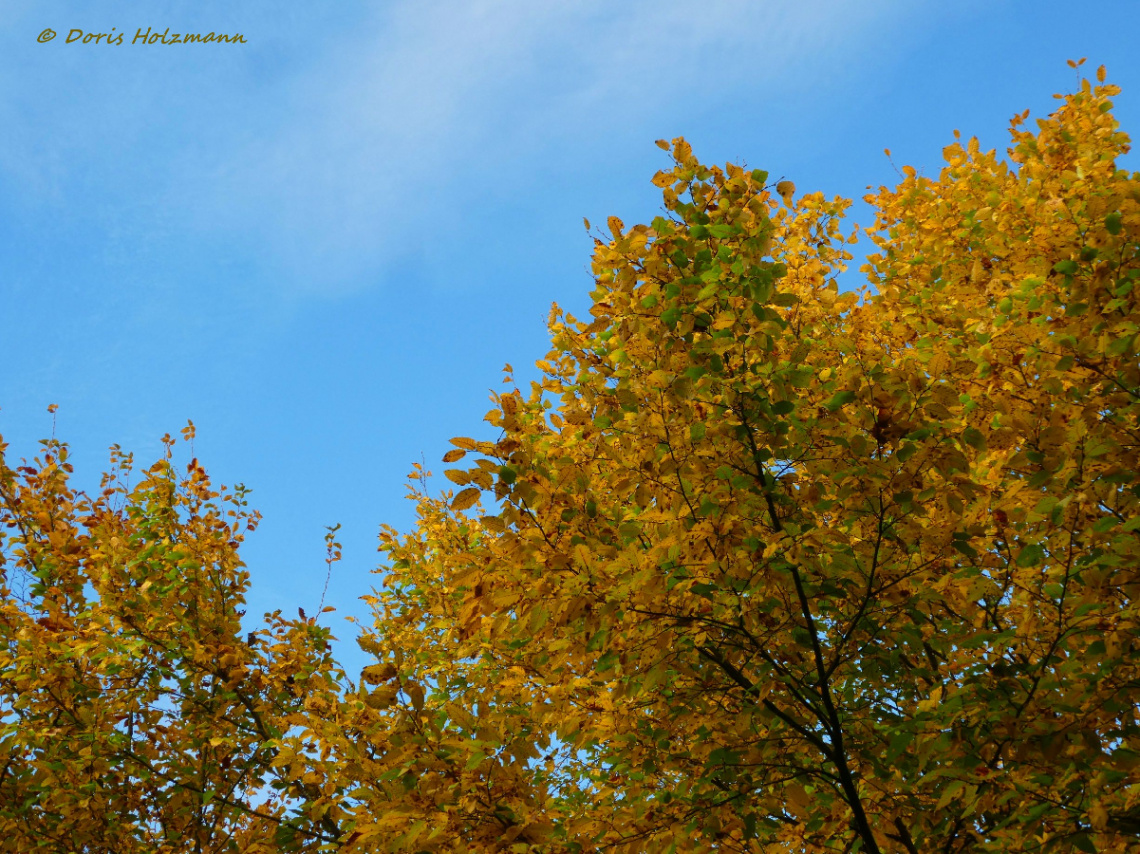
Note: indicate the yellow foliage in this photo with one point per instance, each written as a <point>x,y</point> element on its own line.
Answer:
<point>772,567</point>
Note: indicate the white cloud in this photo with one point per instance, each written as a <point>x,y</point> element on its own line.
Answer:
<point>351,143</point>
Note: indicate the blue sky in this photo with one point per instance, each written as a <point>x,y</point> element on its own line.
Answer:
<point>323,245</point>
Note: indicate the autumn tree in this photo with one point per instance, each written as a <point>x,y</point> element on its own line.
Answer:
<point>776,567</point>
<point>755,565</point>
<point>135,715</point>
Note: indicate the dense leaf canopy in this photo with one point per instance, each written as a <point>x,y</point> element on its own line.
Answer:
<point>757,565</point>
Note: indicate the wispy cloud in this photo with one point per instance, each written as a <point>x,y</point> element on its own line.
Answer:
<point>327,158</point>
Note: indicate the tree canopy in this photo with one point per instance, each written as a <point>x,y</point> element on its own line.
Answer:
<point>757,564</point>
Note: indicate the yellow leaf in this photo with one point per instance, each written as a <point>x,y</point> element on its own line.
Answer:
<point>457,476</point>
<point>465,499</point>
<point>415,692</point>
<point>376,673</point>
<point>1098,816</point>
<point>382,697</point>
<point>452,456</point>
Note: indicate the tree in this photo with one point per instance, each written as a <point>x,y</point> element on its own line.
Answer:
<point>134,717</point>
<point>776,567</point>
<point>769,567</point>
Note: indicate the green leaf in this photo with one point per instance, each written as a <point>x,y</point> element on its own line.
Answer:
<point>607,661</point>
<point>1113,223</point>
<point>597,640</point>
<point>838,400</point>
<point>800,377</point>
<point>1030,555</point>
<point>963,546</point>
<point>1119,346</point>
<point>899,743</point>
<point>1083,842</point>
<point>750,818</point>
<point>722,756</point>
<point>974,438</point>
<point>1105,524</point>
